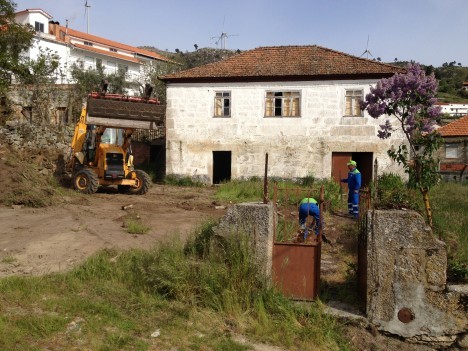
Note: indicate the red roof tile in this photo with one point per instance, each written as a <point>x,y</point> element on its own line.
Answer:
<point>106,53</point>
<point>95,39</point>
<point>286,62</point>
<point>455,128</point>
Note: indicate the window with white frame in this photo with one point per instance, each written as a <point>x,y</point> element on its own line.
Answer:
<point>98,63</point>
<point>352,99</point>
<point>282,104</point>
<point>39,27</point>
<point>451,151</point>
<point>222,104</point>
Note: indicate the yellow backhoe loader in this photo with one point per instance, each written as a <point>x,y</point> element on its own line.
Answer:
<point>101,153</point>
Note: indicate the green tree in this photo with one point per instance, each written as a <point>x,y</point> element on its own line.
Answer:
<point>14,39</point>
<point>38,86</point>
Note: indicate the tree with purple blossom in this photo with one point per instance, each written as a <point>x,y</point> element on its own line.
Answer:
<point>411,98</point>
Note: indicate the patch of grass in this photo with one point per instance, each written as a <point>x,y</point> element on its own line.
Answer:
<point>450,208</point>
<point>134,225</point>
<point>8,259</point>
<point>196,294</point>
<point>172,179</point>
<point>251,189</point>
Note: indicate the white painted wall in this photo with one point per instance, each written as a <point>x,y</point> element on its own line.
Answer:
<point>297,146</point>
<point>70,55</point>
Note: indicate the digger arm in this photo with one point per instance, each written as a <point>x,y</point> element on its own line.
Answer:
<point>79,138</point>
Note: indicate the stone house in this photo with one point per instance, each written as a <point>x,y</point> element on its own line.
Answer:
<point>454,153</point>
<point>299,104</point>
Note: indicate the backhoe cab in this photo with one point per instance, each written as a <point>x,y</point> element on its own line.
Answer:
<point>101,152</point>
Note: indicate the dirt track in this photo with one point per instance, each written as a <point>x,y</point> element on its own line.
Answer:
<point>53,239</point>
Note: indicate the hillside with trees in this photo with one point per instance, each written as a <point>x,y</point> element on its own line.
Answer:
<point>450,76</point>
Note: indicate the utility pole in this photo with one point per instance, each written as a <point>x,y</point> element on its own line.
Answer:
<point>87,15</point>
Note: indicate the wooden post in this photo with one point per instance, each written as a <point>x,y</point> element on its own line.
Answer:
<point>376,183</point>
<point>321,201</point>
<point>265,181</point>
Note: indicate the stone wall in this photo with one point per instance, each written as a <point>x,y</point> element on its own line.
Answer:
<point>256,220</point>
<point>297,146</point>
<point>406,280</point>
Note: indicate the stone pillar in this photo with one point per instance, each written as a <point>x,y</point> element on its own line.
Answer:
<point>406,280</point>
<point>256,220</point>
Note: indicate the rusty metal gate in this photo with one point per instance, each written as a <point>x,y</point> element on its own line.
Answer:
<point>296,262</point>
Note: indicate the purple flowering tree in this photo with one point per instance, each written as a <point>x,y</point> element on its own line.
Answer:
<point>411,98</point>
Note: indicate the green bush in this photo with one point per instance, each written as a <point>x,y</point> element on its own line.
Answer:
<point>393,193</point>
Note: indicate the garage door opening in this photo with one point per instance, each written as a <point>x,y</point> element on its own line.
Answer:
<point>221,166</point>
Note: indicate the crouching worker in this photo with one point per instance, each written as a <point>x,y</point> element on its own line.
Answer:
<point>309,207</point>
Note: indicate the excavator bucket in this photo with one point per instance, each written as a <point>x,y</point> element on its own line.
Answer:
<point>124,112</point>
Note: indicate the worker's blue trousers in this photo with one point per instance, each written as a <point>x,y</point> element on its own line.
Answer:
<point>313,210</point>
<point>353,203</point>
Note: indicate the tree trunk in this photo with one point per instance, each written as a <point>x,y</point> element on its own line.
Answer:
<point>427,205</point>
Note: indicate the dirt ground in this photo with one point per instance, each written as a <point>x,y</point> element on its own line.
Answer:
<point>35,241</point>
<point>54,239</point>
<point>57,237</point>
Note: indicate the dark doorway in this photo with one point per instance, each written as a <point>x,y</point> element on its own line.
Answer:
<point>365,165</point>
<point>364,162</point>
<point>221,166</point>
<point>158,161</point>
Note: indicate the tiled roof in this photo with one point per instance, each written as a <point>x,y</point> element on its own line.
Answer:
<point>95,39</point>
<point>455,128</point>
<point>286,62</point>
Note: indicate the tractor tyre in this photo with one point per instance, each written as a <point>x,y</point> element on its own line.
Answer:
<point>85,181</point>
<point>143,182</point>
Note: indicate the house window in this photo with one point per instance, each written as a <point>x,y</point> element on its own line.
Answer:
<point>39,27</point>
<point>98,63</point>
<point>352,99</point>
<point>88,43</point>
<point>112,49</point>
<point>123,68</point>
<point>111,66</point>
<point>222,104</point>
<point>451,151</point>
<point>89,62</point>
<point>282,104</point>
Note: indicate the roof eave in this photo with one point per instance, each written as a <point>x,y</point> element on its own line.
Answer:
<point>286,78</point>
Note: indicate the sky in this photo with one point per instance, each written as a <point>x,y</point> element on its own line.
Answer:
<point>430,32</point>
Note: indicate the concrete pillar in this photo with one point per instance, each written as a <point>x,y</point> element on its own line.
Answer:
<point>406,280</point>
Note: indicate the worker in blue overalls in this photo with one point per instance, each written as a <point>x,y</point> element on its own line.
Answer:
<point>354,184</point>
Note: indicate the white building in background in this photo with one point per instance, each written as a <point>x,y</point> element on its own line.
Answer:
<point>85,50</point>
<point>453,109</point>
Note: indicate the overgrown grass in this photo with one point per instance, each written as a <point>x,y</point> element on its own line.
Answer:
<point>194,295</point>
<point>450,207</point>
<point>252,190</point>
